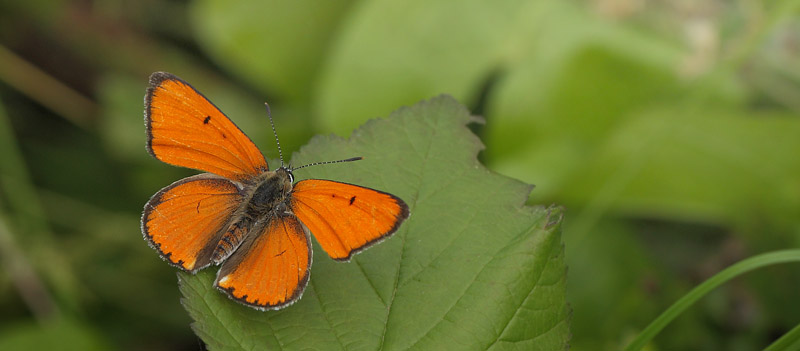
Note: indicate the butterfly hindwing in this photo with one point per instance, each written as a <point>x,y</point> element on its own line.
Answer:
<point>271,268</point>
<point>185,129</point>
<point>346,218</point>
<point>185,220</point>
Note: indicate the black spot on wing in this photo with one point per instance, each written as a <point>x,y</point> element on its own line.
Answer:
<point>208,118</point>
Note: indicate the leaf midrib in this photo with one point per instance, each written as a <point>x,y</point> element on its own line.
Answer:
<point>424,165</point>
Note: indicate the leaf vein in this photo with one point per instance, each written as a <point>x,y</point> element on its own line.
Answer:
<point>325,315</point>
<point>425,159</point>
<point>461,295</point>
<point>371,284</point>
<point>522,303</point>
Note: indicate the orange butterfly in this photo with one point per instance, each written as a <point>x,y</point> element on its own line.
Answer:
<point>252,221</point>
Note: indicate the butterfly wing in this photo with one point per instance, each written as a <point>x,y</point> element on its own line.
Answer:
<point>185,220</point>
<point>346,218</point>
<point>271,267</point>
<point>185,129</point>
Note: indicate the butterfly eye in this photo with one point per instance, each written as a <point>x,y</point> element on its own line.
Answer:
<point>288,172</point>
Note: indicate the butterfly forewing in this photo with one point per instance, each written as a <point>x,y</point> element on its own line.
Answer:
<point>185,129</point>
<point>271,267</point>
<point>346,218</point>
<point>185,220</point>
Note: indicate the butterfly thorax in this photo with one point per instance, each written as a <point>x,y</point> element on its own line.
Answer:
<point>264,198</point>
<point>270,193</point>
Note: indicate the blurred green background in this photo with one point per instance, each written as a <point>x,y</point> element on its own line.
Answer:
<point>669,130</point>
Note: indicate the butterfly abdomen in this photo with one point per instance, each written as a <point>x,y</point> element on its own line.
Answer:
<point>262,200</point>
<point>231,240</point>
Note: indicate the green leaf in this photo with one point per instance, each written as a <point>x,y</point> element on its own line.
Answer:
<point>549,115</point>
<point>723,166</point>
<point>275,45</point>
<point>383,59</point>
<point>789,341</point>
<point>472,268</point>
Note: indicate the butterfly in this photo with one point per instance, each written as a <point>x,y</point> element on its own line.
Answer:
<point>252,222</point>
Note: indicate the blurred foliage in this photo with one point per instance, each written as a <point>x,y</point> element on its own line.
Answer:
<point>667,129</point>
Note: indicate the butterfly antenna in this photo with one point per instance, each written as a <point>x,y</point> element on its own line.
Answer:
<point>327,162</point>
<point>280,153</point>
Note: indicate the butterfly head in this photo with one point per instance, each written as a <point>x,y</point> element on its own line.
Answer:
<point>285,173</point>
